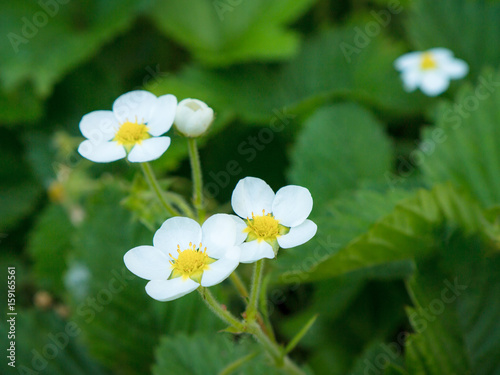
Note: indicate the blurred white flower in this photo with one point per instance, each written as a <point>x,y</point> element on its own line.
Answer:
<point>133,128</point>
<point>185,256</point>
<point>431,71</point>
<point>271,219</point>
<point>193,117</point>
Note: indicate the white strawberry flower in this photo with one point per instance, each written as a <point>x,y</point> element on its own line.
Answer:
<point>431,70</point>
<point>185,256</point>
<point>193,117</point>
<point>132,129</point>
<point>271,220</point>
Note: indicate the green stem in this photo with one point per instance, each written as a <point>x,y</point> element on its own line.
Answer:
<point>220,311</point>
<point>239,285</point>
<point>254,291</point>
<point>229,369</point>
<point>275,351</point>
<point>194,158</point>
<point>153,183</point>
<point>184,207</point>
<point>264,309</point>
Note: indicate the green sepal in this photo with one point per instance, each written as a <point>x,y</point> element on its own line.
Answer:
<point>210,260</point>
<point>175,274</point>
<point>231,329</point>
<point>275,245</point>
<point>282,230</point>
<point>197,276</point>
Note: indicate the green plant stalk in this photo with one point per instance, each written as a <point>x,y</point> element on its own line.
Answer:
<point>292,344</point>
<point>266,322</point>
<point>251,310</point>
<point>239,285</point>
<point>184,207</point>
<point>229,369</point>
<point>221,312</point>
<point>155,186</point>
<point>194,158</point>
<point>273,349</point>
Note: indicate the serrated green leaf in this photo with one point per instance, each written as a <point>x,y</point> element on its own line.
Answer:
<point>411,231</point>
<point>45,343</point>
<point>19,191</point>
<point>49,245</point>
<point>74,31</point>
<point>339,147</point>
<point>466,140</point>
<point>320,73</point>
<point>227,32</point>
<point>339,222</point>
<point>455,313</point>
<point>378,359</point>
<point>19,106</point>
<point>208,354</point>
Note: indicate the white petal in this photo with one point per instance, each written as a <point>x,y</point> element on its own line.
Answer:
<point>408,61</point>
<point>162,115</point>
<point>168,290</point>
<point>254,250</point>
<point>149,149</point>
<point>440,54</point>
<point>218,234</point>
<point>292,205</point>
<point>177,231</point>
<point>241,236</point>
<point>104,152</point>
<point>434,83</point>
<point>193,117</point>
<point>99,126</point>
<point>411,79</point>
<point>134,106</point>
<point>455,68</point>
<point>148,262</point>
<point>298,235</point>
<point>252,195</point>
<point>221,269</point>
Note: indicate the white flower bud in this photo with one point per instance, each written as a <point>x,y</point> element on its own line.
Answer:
<point>193,117</point>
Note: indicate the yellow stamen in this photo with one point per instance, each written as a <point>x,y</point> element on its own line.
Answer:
<point>428,62</point>
<point>131,133</point>
<point>264,227</point>
<point>191,262</point>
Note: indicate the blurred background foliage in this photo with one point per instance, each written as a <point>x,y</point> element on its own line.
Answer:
<point>406,188</point>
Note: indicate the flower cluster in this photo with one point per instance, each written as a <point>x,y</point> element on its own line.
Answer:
<point>135,126</point>
<point>185,255</point>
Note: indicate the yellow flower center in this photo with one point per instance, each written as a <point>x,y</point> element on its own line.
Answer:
<point>190,262</point>
<point>428,62</point>
<point>131,133</point>
<point>264,227</point>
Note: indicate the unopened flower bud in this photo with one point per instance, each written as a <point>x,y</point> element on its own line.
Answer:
<point>193,117</point>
